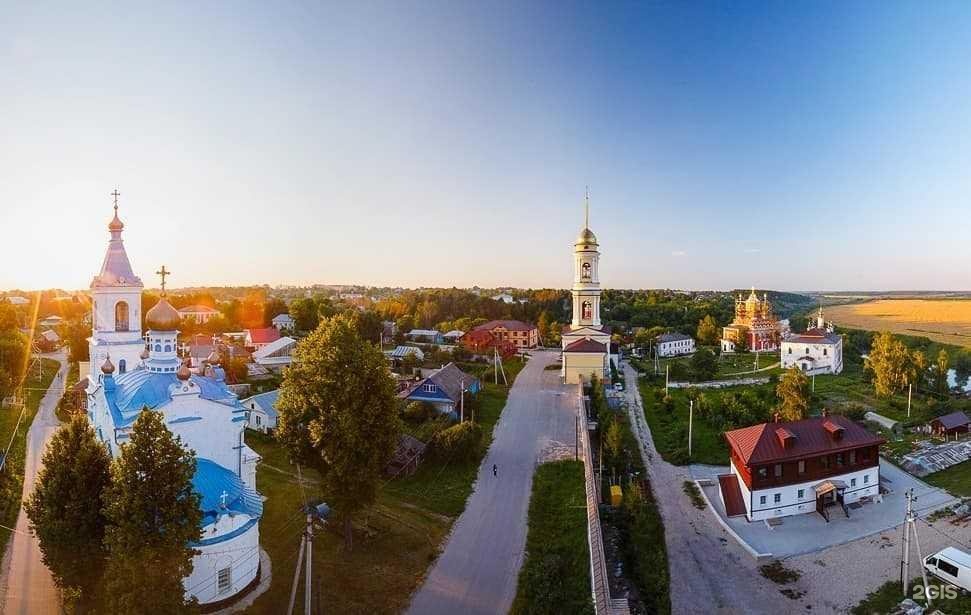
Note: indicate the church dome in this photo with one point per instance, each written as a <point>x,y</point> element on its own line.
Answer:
<point>162,317</point>
<point>183,374</point>
<point>586,237</point>
<point>107,368</point>
<point>116,223</point>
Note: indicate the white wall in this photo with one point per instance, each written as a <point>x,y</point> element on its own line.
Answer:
<point>671,349</point>
<point>791,504</point>
<point>241,553</point>
<point>827,358</point>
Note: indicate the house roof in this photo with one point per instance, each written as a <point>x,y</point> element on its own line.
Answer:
<point>449,379</point>
<point>423,333</point>
<point>282,318</point>
<point>814,336</point>
<point>401,352</point>
<point>264,336</point>
<point>273,347</point>
<point>568,328</point>
<point>673,337</point>
<point>198,309</point>
<point>510,325</point>
<point>454,333</point>
<point>585,345</point>
<point>952,420</point>
<point>813,436</point>
<point>17,300</point>
<point>265,401</point>
<point>50,336</point>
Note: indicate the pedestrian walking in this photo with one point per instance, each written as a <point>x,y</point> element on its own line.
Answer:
<point>495,470</point>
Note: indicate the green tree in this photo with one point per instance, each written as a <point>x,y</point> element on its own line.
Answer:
<point>889,364</point>
<point>368,324</point>
<point>941,367</point>
<point>919,365</point>
<point>708,331</point>
<point>614,440</point>
<point>543,326</point>
<point>65,509</point>
<point>153,513</point>
<point>338,414</point>
<point>704,364</point>
<point>793,394</point>
<point>304,313</point>
<point>13,350</point>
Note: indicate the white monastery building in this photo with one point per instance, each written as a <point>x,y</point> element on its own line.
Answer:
<point>674,344</point>
<point>817,351</point>
<point>199,408</point>
<point>586,341</point>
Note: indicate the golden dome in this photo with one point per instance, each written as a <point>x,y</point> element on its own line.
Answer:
<point>145,354</point>
<point>116,223</point>
<point>586,237</point>
<point>184,374</point>
<point>162,317</point>
<point>107,368</point>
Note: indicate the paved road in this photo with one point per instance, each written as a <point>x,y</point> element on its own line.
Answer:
<point>477,571</point>
<point>27,585</point>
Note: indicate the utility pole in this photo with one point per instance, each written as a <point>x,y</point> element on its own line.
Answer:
<point>691,415</point>
<point>310,552</point>
<point>814,382</point>
<point>667,377</point>
<point>910,389</point>
<point>910,526</point>
<point>296,575</point>
<point>462,403</point>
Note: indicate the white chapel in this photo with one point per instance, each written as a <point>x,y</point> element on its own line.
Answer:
<point>131,371</point>
<point>586,341</point>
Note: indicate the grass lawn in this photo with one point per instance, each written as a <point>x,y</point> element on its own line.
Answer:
<point>12,478</point>
<point>670,430</point>
<point>395,542</point>
<point>884,600</point>
<point>850,387</point>
<point>956,479</point>
<point>555,577</point>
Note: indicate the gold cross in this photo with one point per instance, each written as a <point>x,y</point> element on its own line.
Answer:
<point>116,194</point>
<point>162,272</point>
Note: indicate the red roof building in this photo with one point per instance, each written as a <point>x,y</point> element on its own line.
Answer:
<point>521,334</point>
<point>258,338</point>
<point>482,341</point>
<point>789,468</point>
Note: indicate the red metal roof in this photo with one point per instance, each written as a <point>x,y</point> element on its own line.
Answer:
<point>760,444</point>
<point>585,345</point>
<point>264,336</point>
<point>731,495</point>
<point>510,325</point>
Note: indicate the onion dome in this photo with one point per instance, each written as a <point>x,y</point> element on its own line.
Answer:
<point>213,357</point>
<point>116,223</point>
<point>107,368</point>
<point>183,374</point>
<point>162,317</point>
<point>586,238</point>
<point>145,354</point>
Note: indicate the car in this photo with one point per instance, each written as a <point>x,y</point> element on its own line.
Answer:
<point>618,386</point>
<point>951,566</point>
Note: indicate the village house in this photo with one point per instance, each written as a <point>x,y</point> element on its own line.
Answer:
<point>453,336</point>
<point>400,352</point>
<point>955,424</point>
<point>261,414</point>
<point>258,338</point>
<point>482,342</point>
<point>283,322</point>
<point>276,355</point>
<point>817,351</point>
<point>200,314</point>
<point>674,344</point>
<point>443,389</point>
<point>522,334</point>
<point>789,468</point>
<point>17,300</point>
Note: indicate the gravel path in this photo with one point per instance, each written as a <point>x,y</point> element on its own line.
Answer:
<point>710,573</point>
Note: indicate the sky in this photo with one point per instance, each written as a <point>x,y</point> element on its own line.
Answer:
<point>810,146</point>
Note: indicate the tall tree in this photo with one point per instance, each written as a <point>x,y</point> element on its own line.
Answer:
<point>304,312</point>
<point>13,350</point>
<point>65,509</point>
<point>941,367</point>
<point>153,514</point>
<point>793,394</point>
<point>890,364</point>
<point>704,364</point>
<point>543,326</point>
<point>708,331</point>
<point>338,414</point>
<point>919,362</point>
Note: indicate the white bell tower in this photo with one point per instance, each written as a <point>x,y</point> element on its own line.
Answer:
<point>116,308</point>
<point>586,276</point>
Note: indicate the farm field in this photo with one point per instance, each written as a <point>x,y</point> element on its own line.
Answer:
<point>942,320</point>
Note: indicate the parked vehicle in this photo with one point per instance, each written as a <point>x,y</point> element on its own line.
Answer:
<point>951,566</point>
<point>618,386</point>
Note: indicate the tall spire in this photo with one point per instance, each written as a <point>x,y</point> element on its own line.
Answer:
<point>586,219</point>
<point>116,226</point>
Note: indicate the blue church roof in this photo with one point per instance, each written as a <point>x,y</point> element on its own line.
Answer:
<point>211,480</point>
<point>141,388</point>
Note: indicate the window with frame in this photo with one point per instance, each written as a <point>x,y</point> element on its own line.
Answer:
<point>824,461</point>
<point>852,482</point>
<point>762,499</point>
<point>852,457</point>
<point>777,498</point>
<point>224,580</point>
<point>763,472</point>
<point>777,470</point>
<point>801,494</point>
<point>866,478</point>
<point>429,388</point>
<point>839,459</point>
<point>802,466</point>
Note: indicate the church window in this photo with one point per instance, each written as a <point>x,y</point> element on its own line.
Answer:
<point>121,316</point>
<point>168,348</point>
<point>585,271</point>
<point>587,312</point>
<point>225,580</point>
<point>122,366</point>
<point>158,347</point>
<point>825,352</point>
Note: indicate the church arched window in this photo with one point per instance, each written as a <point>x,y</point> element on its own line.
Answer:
<point>587,310</point>
<point>121,316</point>
<point>158,348</point>
<point>168,348</point>
<point>122,366</point>
<point>585,271</point>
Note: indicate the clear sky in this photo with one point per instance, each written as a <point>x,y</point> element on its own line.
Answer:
<point>818,145</point>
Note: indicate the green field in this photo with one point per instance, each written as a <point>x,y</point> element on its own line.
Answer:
<point>395,541</point>
<point>670,430</point>
<point>955,479</point>
<point>555,577</point>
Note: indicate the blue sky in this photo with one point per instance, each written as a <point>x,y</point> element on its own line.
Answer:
<point>820,146</point>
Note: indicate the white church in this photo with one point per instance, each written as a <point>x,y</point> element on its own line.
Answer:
<point>817,351</point>
<point>586,341</point>
<point>131,371</point>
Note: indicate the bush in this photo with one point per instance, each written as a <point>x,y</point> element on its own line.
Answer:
<point>459,443</point>
<point>419,412</point>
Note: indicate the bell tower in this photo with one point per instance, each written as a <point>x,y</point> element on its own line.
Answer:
<point>116,307</point>
<point>586,276</point>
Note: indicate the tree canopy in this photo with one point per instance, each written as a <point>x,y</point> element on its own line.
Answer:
<point>793,393</point>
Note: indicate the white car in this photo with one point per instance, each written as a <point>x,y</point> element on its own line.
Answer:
<point>951,566</point>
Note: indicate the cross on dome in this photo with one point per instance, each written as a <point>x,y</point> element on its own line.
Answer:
<point>162,273</point>
<point>222,498</point>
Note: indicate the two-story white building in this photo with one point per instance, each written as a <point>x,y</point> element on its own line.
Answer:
<point>674,344</point>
